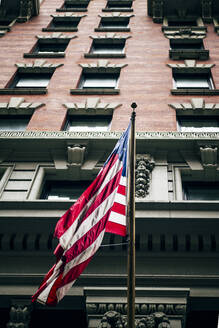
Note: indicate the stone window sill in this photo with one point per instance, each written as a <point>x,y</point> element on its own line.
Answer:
<point>60,29</point>
<point>88,55</point>
<point>194,92</point>
<point>112,29</point>
<point>177,28</point>
<point>23,91</point>
<point>128,10</point>
<point>45,55</point>
<point>189,54</point>
<point>95,91</point>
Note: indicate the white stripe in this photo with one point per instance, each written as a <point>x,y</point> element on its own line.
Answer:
<point>121,199</point>
<point>66,238</point>
<point>85,255</point>
<point>123,181</point>
<point>117,218</point>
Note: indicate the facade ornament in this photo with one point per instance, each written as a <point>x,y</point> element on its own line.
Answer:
<point>26,8</point>
<point>207,10</point>
<point>209,156</point>
<point>195,104</point>
<point>76,155</point>
<point>144,166</point>
<point>19,316</point>
<point>157,8</point>
<point>113,319</point>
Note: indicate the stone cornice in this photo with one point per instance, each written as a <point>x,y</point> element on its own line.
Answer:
<point>56,35</point>
<point>107,135</point>
<point>38,64</point>
<point>110,36</point>
<point>116,15</point>
<point>68,15</point>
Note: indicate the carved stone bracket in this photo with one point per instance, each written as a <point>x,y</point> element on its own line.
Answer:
<point>113,319</point>
<point>76,155</point>
<point>209,156</point>
<point>196,104</point>
<point>144,166</point>
<point>19,314</point>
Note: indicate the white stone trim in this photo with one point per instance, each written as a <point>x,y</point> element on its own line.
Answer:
<point>91,105</point>
<point>116,14</point>
<point>17,104</point>
<point>110,36</point>
<point>68,15</point>
<point>38,63</point>
<point>102,64</point>
<point>191,64</point>
<point>56,35</point>
<point>195,104</point>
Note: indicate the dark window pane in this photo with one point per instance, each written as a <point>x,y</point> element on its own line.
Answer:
<point>75,5</point>
<point>198,123</point>
<point>114,23</point>
<point>193,81</point>
<point>119,4</point>
<point>27,80</point>
<point>99,81</point>
<point>186,45</point>
<point>195,190</point>
<point>182,23</point>
<point>107,48</point>
<point>13,123</point>
<point>88,123</point>
<point>65,23</point>
<point>64,189</point>
<point>50,47</point>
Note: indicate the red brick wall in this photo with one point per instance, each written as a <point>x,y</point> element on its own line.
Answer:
<point>146,80</point>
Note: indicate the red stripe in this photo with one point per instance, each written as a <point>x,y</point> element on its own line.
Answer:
<point>43,284</point>
<point>116,228</point>
<point>88,239</point>
<point>119,208</point>
<point>72,213</point>
<point>122,190</point>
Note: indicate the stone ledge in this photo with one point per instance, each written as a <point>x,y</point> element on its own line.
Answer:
<point>88,55</point>
<point>95,91</point>
<point>194,92</point>
<point>23,91</point>
<point>44,55</point>
<point>129,10</point>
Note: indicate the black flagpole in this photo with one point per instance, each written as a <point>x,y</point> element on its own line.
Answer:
<point>131,227</point>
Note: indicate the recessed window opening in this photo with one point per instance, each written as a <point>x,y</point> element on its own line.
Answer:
<point>31,80</point>
<point>115,23</point>
<point>88,123</point>
<point>65,22</point>
<point>13,123</point>
<point>199,190</point>
<point>50,47</point>
<point>104,48</point>
<point>193,81</point>
<point>182,23</point>
<point>195,123</point>
<point>5,22</point>
<point>63,190</point>
<point>119,4</point>
<point>76,5</point>
<point>99,80</point>
<point>186,45</point>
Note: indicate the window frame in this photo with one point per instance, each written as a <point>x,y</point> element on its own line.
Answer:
<point>52,27</point>
<point>196,118</point>
<point>97,76</point>
<point>189,75</point>
<point>112,27</point>
<point>36,53</point>
<point>71,118</point>
<point>83,4</point>
<point>15,117</point>
<point>13,83</point>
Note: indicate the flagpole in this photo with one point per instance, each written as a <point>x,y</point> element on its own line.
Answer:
<point>131,227</point>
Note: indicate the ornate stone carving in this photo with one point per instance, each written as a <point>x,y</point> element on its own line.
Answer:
<point>191,64</point>
<point>111,35</point>
<point>117,14</point>
<point>18,105</point>
<point>26,8</point>
<point>113,319</point>
<point>209,156</point>
<point>207,10</point>
<point>157,8</point>
<point>102,64</point>
<point>68,15</point>
<point>19,316</point>
<point>38,63</point>
<point>56,35</point>
<point>184,34</point>
<point>76,155</point>
<point>144,166</point>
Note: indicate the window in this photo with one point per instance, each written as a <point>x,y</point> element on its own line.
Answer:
<point>13,123</point>
<point>107,48</point>
<point>99,80</point>
<point>31,80</point>
<point>186,45</point>
<point>88,123</point>
<point>65,190</point>
<point>198,190</point>
<point>198,123</point>
<point>53,46</point>
<point>193,81</point>
<point>115,5</point>
<point>182,23</point>
<point>74,6</point>
<point>113,24</point>
<point>63,23</point>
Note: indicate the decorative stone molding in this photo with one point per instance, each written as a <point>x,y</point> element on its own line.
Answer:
<point>26,8</point>
<point>56,35</point>
<point>91,106</point>
<point>113,319</point>
<point>209,156</point>
<point>68,15</point>
<point>184,34</point>
<point>196,104</point>
<point>191,65</point>
<point>76,155</point>
<point>207,10</point>
<point>17,105</point>
<point>116,14</point>
<point>102,65</point>
<point>144,166</point>
<point>38,64</point>
<point>113,36</point>
<point>19,314</point>
<point>157,11</point>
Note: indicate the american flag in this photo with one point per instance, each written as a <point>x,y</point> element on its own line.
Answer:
<point>101,208</point>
